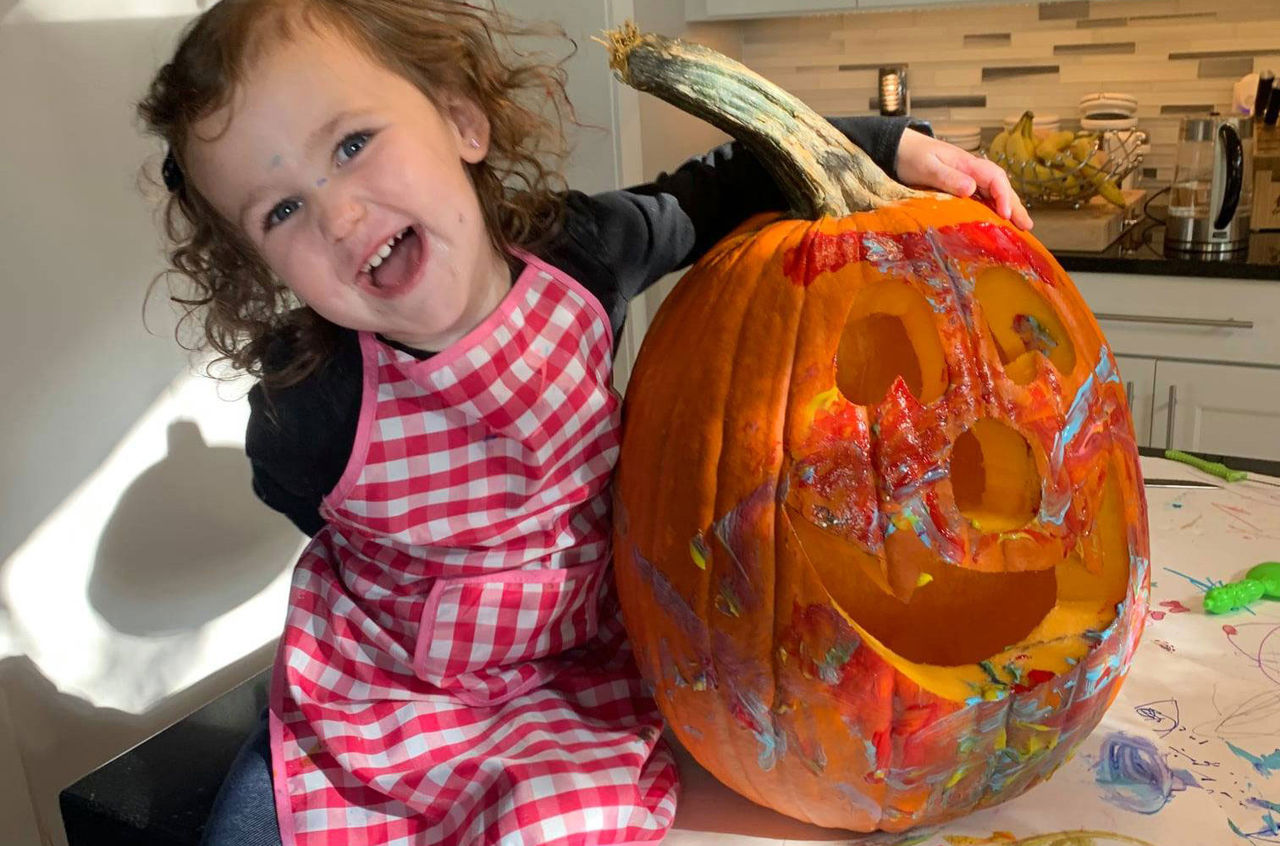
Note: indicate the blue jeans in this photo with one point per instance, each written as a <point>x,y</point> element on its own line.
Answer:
<point>244,811</point>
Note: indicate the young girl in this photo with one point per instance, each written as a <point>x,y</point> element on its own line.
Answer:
<point>359,197</point>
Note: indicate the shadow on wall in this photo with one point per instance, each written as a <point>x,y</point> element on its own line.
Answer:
<point>173,557</point>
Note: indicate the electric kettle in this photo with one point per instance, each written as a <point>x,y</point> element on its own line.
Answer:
<point>1212,190</point>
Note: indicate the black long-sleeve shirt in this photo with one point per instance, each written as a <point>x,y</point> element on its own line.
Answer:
<point>616,244</point>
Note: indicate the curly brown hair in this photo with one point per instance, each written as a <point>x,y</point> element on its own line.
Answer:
<point>440,46</point>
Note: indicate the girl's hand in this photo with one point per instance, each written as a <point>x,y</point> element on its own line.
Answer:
<point>930,163</point>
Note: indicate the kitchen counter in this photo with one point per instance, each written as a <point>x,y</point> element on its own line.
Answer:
<point>1184,754</point>
<point>1141,250</point>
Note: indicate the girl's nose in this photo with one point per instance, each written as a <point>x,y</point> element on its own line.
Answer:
<point>339,215</point>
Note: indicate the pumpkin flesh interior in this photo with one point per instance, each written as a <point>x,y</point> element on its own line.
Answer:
<point>890,333</point>
<point>1022,324</point>
<point>994,477</point>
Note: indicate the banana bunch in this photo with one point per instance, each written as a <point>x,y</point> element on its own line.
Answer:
<point>1053,164</point>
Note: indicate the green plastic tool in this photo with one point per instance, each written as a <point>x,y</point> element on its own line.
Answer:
<point>1213,468</point>
<point>1262,580</point>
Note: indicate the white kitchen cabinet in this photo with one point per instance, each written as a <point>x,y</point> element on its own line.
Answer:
<point>720,10</point>
<point>1202,354</point>
<point>723,10</point>
<point>1139,378</point>
<point>1186,317</point>
<point>904,4</point>
<point>1217,408</point>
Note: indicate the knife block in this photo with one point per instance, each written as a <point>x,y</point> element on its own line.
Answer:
<point>1266,178</point>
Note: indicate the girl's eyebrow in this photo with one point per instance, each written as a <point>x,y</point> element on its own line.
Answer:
<point>323,132</point>
<point>317,136</point>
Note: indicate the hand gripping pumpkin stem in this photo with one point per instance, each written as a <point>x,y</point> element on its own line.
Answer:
<point>820,172</point>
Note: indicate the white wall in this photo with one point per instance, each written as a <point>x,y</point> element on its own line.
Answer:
<point>139,578</point>
<point>668,136</point>
<point>131,552</point>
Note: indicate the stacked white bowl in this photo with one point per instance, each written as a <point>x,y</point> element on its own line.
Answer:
<point>1103,110</point>
<point>1108,110</point>
<point>963,136</point>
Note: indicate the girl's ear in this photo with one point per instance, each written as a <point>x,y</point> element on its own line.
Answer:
<point>471,128</point>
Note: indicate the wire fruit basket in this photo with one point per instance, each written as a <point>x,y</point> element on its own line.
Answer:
<point>1067,168</point>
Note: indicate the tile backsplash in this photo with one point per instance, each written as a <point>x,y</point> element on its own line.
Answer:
<point>974,65</point>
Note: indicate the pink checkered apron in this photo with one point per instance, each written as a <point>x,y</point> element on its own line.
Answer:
<point>453,669</point>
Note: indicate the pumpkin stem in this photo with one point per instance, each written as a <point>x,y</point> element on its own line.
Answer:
<point>820,172</point>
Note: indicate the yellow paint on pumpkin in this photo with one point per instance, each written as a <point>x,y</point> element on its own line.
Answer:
<point>695,553</point>
<point>924,579</point>
<point>823,401</point>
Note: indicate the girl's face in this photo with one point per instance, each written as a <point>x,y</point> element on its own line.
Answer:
<point>328,158</point>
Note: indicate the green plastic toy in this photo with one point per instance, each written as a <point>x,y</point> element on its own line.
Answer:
<point>1262,580</point>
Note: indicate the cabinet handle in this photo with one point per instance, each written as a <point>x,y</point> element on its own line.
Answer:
<point>1173,410</point>
<point>1128,395</point>
<point>1174,321</point>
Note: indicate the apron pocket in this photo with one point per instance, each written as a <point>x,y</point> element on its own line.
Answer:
<point>482,637</point>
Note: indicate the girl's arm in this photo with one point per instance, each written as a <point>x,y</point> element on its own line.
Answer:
<point>639,234</point>
<point>720,189</point>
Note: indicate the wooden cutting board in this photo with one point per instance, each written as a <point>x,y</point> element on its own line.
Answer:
<point>1091,228</point>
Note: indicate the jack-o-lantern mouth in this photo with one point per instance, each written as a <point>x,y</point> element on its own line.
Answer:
<point>929,611</point>
<point>952,615</point>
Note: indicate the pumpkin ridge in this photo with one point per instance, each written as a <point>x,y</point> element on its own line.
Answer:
<point>780,480</point>
<point>770,481</point>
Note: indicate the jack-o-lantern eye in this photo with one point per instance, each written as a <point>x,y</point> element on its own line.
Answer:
<point>1022,324</point>
<point>890,332</point>
<point>994,477</point>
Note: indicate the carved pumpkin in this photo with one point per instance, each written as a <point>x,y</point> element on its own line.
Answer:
<point>881,535</point>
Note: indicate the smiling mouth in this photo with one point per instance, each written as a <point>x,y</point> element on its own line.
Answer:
<point>397,271</point>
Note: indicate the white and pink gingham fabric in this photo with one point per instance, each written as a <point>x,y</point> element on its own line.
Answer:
<point>453,670</point>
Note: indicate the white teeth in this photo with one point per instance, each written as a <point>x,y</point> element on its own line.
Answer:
<point>385,250</point>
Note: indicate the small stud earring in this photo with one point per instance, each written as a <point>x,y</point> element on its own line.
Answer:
<point>475,144</point>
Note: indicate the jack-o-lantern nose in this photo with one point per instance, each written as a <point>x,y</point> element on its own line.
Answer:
<point>993,476</point>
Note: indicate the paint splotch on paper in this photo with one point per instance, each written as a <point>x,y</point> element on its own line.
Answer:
<point>1133,774</point>
<point>1264,764</point>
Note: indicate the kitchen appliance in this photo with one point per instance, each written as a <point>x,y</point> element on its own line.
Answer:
<point>1212,194</point>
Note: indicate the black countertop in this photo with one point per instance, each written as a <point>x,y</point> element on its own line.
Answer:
<point>1141,250</point>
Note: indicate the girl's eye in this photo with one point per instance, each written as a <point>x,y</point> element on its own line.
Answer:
<point>280,213</point>
<point>352,144</point>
